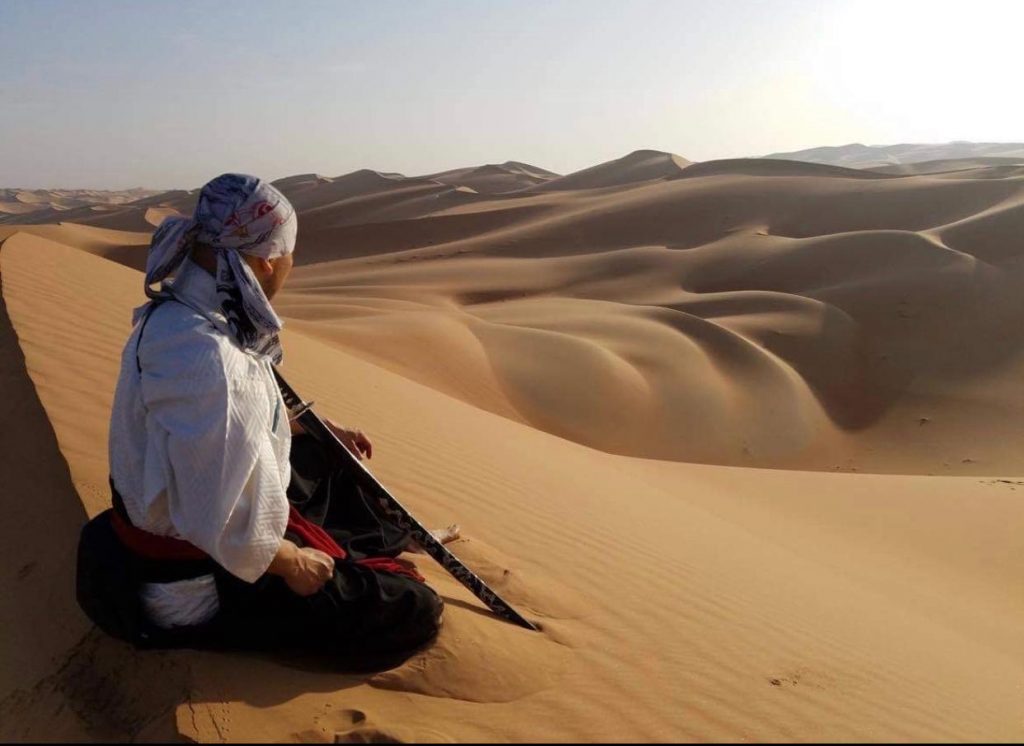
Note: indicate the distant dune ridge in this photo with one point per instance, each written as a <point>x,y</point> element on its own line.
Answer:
<point>638,166</point>
<point>582,369</point>
<point>857,155</point>
<point>495,178</point>
<point>125,210</point>
<point>22,201</point>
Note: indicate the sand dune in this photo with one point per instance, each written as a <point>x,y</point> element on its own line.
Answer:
<point>765,167</point>
<point>857,155</point>
<point>307,193</point>
<point>40,618</point>
<point>124,247</point>
<point>796,315</point>
<point>954,164</point>
<point>140,215</point>
<point>494,178</point>
<point>678,601</point>
<point>640,165</point>
<point>794,321</point>
<point>829,283</point>
<point>16,208</point>
<point>581,372</point>
<point>51,205</point>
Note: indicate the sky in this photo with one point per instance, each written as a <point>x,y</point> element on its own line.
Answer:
<point>116,93</point>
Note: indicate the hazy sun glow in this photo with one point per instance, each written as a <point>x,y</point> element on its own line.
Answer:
<point>114,93</point>
<point>928,70</point>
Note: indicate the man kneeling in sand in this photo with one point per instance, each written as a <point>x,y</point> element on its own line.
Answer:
<point>215,505</point>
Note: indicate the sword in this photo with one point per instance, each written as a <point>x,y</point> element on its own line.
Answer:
<point>303,413</point>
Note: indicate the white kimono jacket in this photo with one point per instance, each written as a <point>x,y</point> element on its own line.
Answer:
<point>199,445</point>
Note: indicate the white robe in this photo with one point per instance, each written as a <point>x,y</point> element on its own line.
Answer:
<point>199,445</point>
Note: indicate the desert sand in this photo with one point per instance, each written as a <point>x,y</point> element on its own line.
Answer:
<point>744,437</point>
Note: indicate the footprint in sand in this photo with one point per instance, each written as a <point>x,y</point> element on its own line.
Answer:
<point>804,678</point>
<point>356,729</point>
<point>354,726</point>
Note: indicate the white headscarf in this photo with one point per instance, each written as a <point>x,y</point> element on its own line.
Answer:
<point>235,214</point>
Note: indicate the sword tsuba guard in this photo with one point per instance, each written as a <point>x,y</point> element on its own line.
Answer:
<point>294,414</point>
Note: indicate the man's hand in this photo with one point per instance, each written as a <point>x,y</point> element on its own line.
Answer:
<point>304,569</point>
<point>309,571</point>
<point>354,440</point>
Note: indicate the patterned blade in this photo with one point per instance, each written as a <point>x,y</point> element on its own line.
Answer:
<point>396,512</point>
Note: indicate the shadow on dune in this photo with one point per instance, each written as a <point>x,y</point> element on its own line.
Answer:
<point>953,327</point>
<point>60,679</point>
<point>894,307</point>
<point>42,517</point>
<point>43,692</point>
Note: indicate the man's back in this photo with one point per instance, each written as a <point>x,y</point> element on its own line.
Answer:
<point>199,437</point>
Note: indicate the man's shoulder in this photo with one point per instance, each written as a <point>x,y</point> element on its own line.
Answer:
<point>179,341</point>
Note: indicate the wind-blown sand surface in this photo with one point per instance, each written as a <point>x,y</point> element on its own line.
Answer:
<point>582,371</point>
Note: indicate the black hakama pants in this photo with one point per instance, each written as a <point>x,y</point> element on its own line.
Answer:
<point>361,619</point>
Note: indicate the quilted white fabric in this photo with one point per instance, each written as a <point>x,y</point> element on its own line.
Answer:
<point>199,444</point>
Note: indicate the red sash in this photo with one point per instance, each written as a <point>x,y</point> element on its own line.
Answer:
<point>154,547</point>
